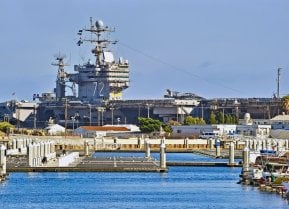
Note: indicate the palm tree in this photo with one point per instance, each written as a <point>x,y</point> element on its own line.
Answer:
<point>285,103</point>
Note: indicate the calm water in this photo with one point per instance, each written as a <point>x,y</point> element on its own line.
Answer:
<point>181,187</point>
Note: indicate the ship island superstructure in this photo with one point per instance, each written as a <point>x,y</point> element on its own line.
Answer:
<point>97,82</point>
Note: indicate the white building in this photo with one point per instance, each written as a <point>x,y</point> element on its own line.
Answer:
<point>280,127</point>
<point>280,122</point>
<point>197,130</point>
<point>222,130</point>
<point>99,131</point>
<point>253,130</point>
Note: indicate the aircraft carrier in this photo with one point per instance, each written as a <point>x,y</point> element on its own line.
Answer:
<point>96,97</point>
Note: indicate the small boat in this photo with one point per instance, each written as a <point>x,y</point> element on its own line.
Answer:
<point>255,174</point>
<point>274,170</point>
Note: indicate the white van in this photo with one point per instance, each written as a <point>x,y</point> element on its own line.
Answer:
<point>208,135</point>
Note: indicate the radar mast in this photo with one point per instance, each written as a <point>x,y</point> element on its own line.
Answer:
<point>96,38</point>
<point>61,76</point>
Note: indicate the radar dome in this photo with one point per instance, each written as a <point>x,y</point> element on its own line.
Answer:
<point>99,24</point>
<point>247,116</point>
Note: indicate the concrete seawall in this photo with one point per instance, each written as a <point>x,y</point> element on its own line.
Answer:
<point>203,164</point>
<point>118,169</point>
<point>76,169</point>
<point>132,144</point>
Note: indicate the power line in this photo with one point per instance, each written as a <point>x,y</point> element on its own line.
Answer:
<point>173,67</point>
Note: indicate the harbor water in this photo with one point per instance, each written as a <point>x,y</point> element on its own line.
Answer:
<point>181,187</point>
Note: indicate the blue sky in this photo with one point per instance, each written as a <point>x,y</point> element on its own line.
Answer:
<point>214,48</point>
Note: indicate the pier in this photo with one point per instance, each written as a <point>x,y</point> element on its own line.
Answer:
<point>3,169</point>
<point>98,164</point>
<point>205,164</point>
<point>56,154</point>
<point>41,156</point>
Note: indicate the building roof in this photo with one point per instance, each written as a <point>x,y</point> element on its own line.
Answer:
<point>104,128</point>
<point>131,127</point>
<point>281,118</point>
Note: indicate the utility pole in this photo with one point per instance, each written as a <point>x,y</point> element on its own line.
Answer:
<point>177,113</point>
<point>202,111</point>
<point>34,114</point>
<point>98,116</point>
<point>223,118</point>
<point>278,82</point>
<point>89,105</point>
<point>18,115</point>
<point>112,108</point>
<point>65,115</point>
<point>102,110</point>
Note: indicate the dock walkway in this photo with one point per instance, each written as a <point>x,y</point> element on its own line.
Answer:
<point>98,164</point>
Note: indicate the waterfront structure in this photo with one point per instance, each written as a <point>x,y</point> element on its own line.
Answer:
<point>222,130</point>
<point>2,162</point>
<point>163,158</point>
<point>39,153</point>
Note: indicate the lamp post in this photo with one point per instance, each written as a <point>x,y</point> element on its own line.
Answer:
<point>138,110</point>
<point>148,106</point>
<point>223,119</point>
<point>65,116</point>
<point>236,103</point>
<point>100,109</point>
<point>98,116</point>
<point>177,113</point>
<point>112,108</point>
<point>202,111</point>
<point>18,116</point>
<point>73,119</point>
<point>89,105</point>
<point>34,115</point>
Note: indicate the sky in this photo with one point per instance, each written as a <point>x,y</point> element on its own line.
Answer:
<point>213,48</point>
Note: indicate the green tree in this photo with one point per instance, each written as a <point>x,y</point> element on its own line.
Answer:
<point>173,123</point>
<point>189,120</point>
<point>201,121</point>
<point>235,119</point>
<point>148,125</point>
<point>212,119</point>
<point>231,119</point>
<point>5,126</point>
<point>167,128</point>
<point>228,119</point>
<point>221,117</point>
